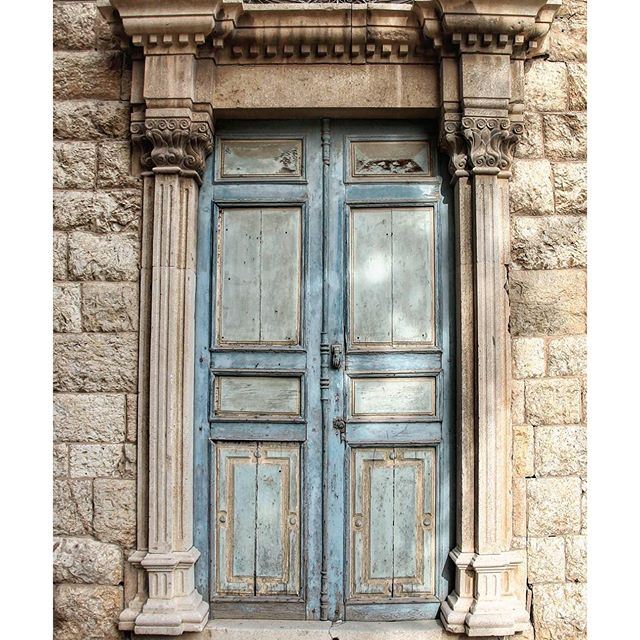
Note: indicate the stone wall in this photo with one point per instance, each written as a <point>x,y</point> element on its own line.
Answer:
<point>96,256</point>
<point>548,324</point>
<point>96,214</point>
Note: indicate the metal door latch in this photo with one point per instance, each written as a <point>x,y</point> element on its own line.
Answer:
<point>336,355</point>
<point>340,425</point>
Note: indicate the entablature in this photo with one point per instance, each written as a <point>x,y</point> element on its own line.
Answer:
<point>234,32</point>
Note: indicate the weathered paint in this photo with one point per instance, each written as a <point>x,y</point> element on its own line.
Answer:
<point>284,484</point>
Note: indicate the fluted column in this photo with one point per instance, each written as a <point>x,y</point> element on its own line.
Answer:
<point>481,64</point>
<point>173,143</point>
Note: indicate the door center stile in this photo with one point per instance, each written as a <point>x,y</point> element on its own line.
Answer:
<point>325,359</point>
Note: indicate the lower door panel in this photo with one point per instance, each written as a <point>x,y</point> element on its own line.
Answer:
<point>257,531</point>
<point>391,534</point>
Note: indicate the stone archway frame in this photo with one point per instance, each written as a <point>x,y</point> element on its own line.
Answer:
<point>478,48</point>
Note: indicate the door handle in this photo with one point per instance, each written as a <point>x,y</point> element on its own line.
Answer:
<point>336,355</point>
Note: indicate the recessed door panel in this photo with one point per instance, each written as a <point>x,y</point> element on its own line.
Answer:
<point>259,276</point>
<point>391,278</point>
<point>258,519</point>
<point>235,523</point>
<point>392,523</point>
<point>255,397</point>
<point>392,397</point>
<point>278,521</point>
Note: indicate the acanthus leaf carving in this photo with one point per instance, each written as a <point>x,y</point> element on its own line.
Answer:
<point>170,141</point>
<point>454,144</point>
<point>491,143</point>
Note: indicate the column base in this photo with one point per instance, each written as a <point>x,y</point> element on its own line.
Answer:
<point>492,612</point>
<point>483,602</point>
<point>173,605</point>
<point>455,608</point>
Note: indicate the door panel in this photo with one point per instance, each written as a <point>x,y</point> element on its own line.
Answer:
<point>391,278</point>
<point>392,521</point>
<point>235,523</point>
<point>258,515</point>
<point>324,373</point>
<point>377,398</point>
<point>259,276</point>
<point>255,397</point>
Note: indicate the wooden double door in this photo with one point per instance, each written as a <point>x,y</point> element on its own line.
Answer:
<point>324,375</point>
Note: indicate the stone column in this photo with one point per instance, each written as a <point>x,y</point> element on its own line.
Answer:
<point>172,134</point>
<point>481,60</point>
<point>175,143</point>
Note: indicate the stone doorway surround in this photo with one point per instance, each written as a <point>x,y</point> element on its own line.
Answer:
<point>458,61</point>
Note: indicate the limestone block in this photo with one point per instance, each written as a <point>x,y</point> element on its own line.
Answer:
<point>545,85</point>
<point>105,38</point>
<point>561,451</point>
<point>89,120</point>
<point>517,401</point>
<point>577,86</point>
<point>531,144</point>
<point>548,302</point>
<point>523,450</point>
<point>114,165</point>
<point>545,560</point>
<point>72,507</point>
<point>98,461</point>
<point>66,308</point>
<point>59,255</point>
<point>110,306</point>
<point>583,507</point>
<point>60,460</point>
<point>82,560</point>
<point>549,242</point>
<point>115,511</point>
<point>74,165</point>
<point>528,357</point>
<point>553,506</point>
<point>519,507</point>
<point>130,460</point>
<point>570,184</point>
<point>90,74</point>
<point>97,211</point>
<point>132,417</point>
<point>576,549</point>
<point>560,611</point>
<point>96,417</point>
<point>568,36</point>
<point>553,401</point>
<point>565,135</point>
<point>86,612</point>
<point>531,188</point>
<point>568,356</point>
<point>111,257</point>
<point>95,362</point>
<point>73,25</point>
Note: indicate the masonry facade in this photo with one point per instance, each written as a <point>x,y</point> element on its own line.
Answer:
<point>101,498</point>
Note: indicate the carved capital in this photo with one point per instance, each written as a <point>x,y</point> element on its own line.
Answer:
<point>491,143</point>
<point>454,145</point>
<point>178,143</point>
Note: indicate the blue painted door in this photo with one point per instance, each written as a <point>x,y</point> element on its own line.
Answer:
<point>323,372</point>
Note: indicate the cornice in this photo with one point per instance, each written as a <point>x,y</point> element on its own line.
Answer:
<point>164,26</point>
<point>237,32</point>
<point>517,27</point>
